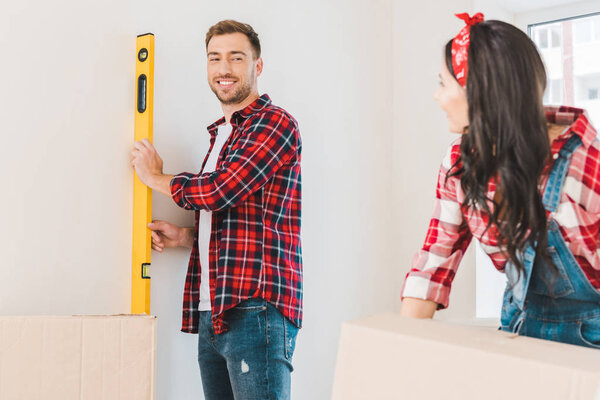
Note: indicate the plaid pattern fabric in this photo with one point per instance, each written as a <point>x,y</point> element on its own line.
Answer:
<point>254,195</point>
<point>451,228</point>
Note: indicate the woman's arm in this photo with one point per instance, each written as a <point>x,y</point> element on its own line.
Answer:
<point>434,267</point>
<point>418,308</point>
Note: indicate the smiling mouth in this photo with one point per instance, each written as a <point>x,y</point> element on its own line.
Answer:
<point>225,83</point>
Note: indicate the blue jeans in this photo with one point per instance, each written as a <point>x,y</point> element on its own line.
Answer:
<point>253,359</point>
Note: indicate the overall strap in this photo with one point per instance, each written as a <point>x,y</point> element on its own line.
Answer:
<point>519,283</point>
<point>556,180</point>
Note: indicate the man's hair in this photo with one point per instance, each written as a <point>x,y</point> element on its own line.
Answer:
<point>231,26</point>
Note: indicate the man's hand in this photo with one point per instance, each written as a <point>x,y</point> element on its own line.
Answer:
<point>165,234</point>
<point>149,167</point>
<point>146,161</point>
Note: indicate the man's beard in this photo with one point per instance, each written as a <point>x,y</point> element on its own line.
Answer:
<point>241,93</point>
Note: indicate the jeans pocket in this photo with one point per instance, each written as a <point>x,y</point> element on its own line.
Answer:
<point>290,331</point>
<point>589,332</point>
<point>247,322</point>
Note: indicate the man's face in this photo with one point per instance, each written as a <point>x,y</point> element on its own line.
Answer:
<point>232,69</point>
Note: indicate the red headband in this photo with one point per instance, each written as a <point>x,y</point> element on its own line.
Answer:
<point>460,47</point>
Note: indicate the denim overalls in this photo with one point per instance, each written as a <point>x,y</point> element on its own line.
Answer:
<point>563,307</point>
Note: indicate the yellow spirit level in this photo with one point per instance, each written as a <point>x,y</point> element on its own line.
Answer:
<point>142,194</point>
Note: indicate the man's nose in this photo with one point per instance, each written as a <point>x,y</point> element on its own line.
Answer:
<point>224,67</point>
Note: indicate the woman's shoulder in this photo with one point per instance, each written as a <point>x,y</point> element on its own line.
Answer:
<point>587,165</point>
<point>452,153</point>
<point>582,183</point>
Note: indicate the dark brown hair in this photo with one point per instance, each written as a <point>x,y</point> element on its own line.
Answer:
<point>231,26</point>
<point>507,135</point>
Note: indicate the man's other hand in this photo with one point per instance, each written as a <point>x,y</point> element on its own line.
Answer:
<point>165,234</point>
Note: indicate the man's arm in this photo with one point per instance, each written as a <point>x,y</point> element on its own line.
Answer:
<point>161,183</point>
<point>188,238</point>
<point>254,159</point>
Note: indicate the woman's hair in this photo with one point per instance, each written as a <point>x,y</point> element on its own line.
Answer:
<point>507,135</point>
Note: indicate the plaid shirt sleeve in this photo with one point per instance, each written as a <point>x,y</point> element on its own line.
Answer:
<point>267,145</point>
<point>434,266</point>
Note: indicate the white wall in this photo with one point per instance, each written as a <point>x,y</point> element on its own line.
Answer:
<point>66,117</point>
<point>66,120</point>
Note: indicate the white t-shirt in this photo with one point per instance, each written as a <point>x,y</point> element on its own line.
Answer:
<point>204,229</point>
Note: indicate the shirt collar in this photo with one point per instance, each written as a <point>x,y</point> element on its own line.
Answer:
<point>237,117</point>
<point>576,118</point>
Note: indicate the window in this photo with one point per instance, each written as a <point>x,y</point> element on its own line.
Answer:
<point>583,31</point>
<point>556,35</point>
<point>586,29</point>
<point>542,38</point>
<point>548,36</point>
<point>570,49</point>
<point>554,92</point>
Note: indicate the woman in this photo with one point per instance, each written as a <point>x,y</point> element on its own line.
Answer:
<point>524,180</point>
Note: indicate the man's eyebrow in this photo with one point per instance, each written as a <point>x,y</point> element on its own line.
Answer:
<point>214,53</point>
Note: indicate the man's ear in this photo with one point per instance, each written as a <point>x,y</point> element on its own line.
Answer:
<point>259,66</point>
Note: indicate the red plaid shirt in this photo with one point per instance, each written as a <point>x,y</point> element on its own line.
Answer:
<point>452,228</point>
<point>254,196</point>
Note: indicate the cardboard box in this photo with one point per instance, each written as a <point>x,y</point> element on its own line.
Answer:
<point>78,357</point>
<point>391,357</point>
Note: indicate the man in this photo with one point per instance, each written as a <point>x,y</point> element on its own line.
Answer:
<point>243,290</point>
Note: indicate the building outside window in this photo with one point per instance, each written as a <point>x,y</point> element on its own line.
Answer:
<point>571,52</point>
